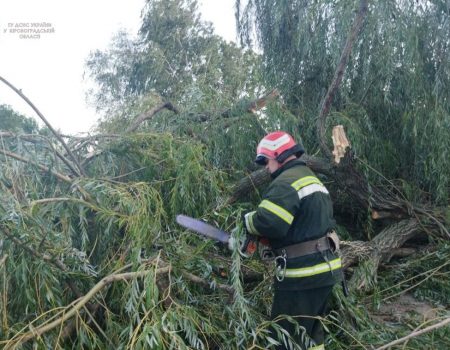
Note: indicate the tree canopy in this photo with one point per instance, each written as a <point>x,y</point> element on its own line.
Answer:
<point>176,57</point>
<point>393,100</point>
<point>13,121</point>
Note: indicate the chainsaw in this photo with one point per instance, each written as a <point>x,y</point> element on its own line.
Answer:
<point>248,247</point>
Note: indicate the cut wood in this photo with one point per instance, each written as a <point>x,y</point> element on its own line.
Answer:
<point>340,143</point>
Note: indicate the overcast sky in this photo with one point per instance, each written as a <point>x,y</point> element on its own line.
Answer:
<point>49,69</point>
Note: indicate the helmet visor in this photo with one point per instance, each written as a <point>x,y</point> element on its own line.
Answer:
<point>261,159</point>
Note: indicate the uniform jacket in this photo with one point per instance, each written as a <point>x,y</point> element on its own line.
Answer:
<point>297,208</point>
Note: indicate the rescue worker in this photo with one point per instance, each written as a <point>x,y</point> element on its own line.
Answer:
<point>296,217</point>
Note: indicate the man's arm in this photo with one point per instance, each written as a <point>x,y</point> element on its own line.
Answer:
<point>275,213</point>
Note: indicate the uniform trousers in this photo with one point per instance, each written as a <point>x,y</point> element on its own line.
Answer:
<point>303,306</point>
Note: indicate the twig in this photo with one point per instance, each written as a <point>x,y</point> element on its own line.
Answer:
<point>438,223</point>
<point>60,176</point>
<point>31,137</point>
<point>2,261</point>
<point>69,152</point>
<point>415,334</point>
<point>205,283</point>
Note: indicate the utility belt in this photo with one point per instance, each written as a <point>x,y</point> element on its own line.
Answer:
<point>329,242</point>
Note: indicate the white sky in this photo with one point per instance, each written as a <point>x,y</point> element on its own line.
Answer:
<point>49,70</point>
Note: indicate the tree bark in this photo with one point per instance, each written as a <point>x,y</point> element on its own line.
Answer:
<point>255,105</point>
<point>383,245</point>
<point>149,114</point>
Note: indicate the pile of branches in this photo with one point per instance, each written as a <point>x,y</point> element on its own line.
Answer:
<point>90,256</point>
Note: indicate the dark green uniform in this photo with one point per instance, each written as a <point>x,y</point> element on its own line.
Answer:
<point>297,208</point>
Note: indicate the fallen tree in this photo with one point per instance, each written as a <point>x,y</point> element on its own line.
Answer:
<point>83,217</point>
<point>96,234</point>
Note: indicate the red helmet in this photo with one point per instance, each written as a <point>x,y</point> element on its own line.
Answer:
<point>277,145</point>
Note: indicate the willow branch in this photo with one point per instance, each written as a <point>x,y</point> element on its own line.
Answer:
<point>326,104</point>
<point>60,176</point>
<point>3,260</point>
<point>205,283</point>
<point>69,152</point>
<point>149,114</point>
<point>416,334</point>
<point>31,138</point>
<point>261,102</point>
<point>253,106</point>
<point>58,263</point>
<point>80,303</point>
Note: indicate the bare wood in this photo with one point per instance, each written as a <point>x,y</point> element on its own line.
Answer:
<point>338,74</point>
<point>415,334</point>
<point>379,215</point>
<point>403,252</point>
<point>340,143</point>
<point>69,152</point>
<point>60,176</point>
<point>149,114</point>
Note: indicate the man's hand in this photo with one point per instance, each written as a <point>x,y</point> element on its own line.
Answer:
<point>264,249</point>
<point>247,244</point>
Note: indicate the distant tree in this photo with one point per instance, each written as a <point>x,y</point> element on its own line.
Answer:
<point>176,56</point>
<point>10,120</point>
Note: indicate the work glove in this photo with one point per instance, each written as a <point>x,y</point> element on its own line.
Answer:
<point>265,250</point>
<point>246,244</point>
<point>250,244</point>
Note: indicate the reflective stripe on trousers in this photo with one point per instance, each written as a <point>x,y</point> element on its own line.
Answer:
<point>317,347</point>
<point>314,270</point>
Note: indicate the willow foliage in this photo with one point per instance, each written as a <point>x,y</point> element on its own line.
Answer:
<point>393,100</point>
<point>62,240</point>
<point>175,56</point>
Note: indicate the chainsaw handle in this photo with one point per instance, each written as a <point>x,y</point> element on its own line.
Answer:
<point>250,245</point>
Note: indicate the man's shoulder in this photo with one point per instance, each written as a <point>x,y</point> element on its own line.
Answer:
<point>295,173</point>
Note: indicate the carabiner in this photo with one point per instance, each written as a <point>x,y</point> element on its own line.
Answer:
<point>280,264</point>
